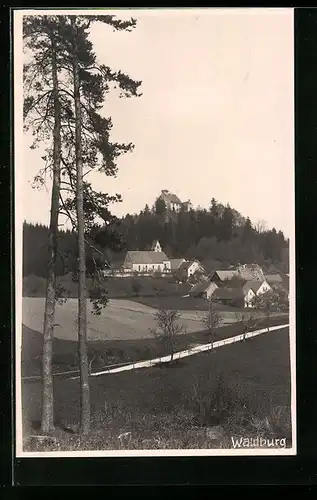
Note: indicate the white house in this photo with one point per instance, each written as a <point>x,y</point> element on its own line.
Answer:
<point>188,268</point>
<point>143,261</point>
<point>248,297</point>
<point>258,287</point>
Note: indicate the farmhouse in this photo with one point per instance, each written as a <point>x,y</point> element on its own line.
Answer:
<point>251,272</point>
<point>235,297</point>
<point>143,261</point>
<point>203,289</point>
<point>247,272</point>
<point>221,276</point>
<point>278,281</point>
<point>258,287</point>
<point>188,268</point>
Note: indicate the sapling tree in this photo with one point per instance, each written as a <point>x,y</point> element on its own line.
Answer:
<point>168,327</point>
<point>247,321</point>
<point>211,319</point>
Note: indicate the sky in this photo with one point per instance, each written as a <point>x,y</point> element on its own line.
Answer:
<point>215,119</point>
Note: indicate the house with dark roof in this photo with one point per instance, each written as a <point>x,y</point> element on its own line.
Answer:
<point>279,281</point>
<point>234,297</point>
<point>247,272</point>
<point>258,287</point>
<point>220,276</point>
<point>203,289</point>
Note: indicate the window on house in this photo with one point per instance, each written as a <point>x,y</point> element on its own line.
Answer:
<point>139,268</point>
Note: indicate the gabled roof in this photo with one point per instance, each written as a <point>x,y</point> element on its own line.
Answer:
<point>209,265</point>
<point>251,272</point>
<point>229,293</point>
<point>145,257</point>
<point>201,287</point>
<point>185,265</point>
<point>273,278</point>
<point>155,242</point>
<point>254,285</point>
<point>176,263</point>
<point>235,282</point>
<point>226,275</point>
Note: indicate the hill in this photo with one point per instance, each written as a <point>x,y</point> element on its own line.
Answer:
<point>220,235</point>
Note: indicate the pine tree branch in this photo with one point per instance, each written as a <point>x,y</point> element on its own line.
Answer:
<point>68,214</point>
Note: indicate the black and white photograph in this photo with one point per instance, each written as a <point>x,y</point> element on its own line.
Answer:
<point>154,232</point>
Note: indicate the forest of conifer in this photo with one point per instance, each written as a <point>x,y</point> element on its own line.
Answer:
<point>218,236</point>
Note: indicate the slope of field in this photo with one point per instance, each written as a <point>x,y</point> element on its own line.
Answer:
<point>121,319</point>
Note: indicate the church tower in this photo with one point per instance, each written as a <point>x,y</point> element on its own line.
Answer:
<point>156,247</point>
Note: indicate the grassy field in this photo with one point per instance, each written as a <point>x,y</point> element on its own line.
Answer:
<point>120,320</point>
<point>34,286</point>
<point>243,387</point>
<point>184,303</point>
<point>176,302</point>
<point>104,353</point>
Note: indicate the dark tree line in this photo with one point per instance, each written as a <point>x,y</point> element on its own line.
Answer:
<point>220,235</point>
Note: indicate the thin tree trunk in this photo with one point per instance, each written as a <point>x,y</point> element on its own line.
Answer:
<point>49,315</point>
<point>82,303</point>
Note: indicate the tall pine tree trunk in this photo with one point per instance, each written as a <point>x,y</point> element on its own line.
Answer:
<point>82,303</point>
<point>49,315</point>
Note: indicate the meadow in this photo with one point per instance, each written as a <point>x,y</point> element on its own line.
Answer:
<point>120,320</point>
<point>243,388</point>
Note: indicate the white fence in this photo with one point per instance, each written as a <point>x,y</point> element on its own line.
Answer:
<point>186,353</point>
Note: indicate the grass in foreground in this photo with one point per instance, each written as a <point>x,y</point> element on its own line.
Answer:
<point>242,390</point>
